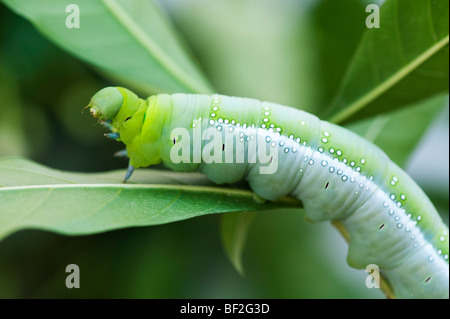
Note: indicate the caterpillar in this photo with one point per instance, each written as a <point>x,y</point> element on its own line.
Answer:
<point>338,175</point>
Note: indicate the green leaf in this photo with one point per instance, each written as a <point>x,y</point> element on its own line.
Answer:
<point>128,39</point>
<point>398,133</point>
<point>235,227</point>
<point>34,196</point>
<point>12,137</point>
<point>335,41</point>
<point>402,62</point>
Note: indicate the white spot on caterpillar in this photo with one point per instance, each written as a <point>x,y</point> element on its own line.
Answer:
<point>213,114</point>
<point>344,178</point>
<point>324,140</point>
<point>338,152</point>
<point>363,161</point>
<point>352,163</point>
<point>320,149</point>
<point>399,225</point>
<point>331,169</point>
<point>430,258</point>
<point>311,162</point>
<point>326,133</point>
<point>442,238</point>
<point>324,163</point>
<point>303,123</point>
<point>211,122</point>
<point>339,171</point>
<point>332,150</point>
<point>402,196</point>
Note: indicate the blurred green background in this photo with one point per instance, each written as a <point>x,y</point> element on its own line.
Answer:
<point>290,52</point>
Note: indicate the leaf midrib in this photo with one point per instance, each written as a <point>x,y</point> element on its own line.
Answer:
<point>389,82</point>
<point>288,200</point>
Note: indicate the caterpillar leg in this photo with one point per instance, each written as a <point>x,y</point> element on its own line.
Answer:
<point>121,153</point>
<point>107,124</point>
<point>114,136</point>
<point>130,171</point>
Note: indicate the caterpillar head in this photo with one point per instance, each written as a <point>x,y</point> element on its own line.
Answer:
<point>117,106</point>
<point>134,121</point>
<point>106,103</point>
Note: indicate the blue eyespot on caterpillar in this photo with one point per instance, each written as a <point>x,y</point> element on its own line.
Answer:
<point>279,150</point>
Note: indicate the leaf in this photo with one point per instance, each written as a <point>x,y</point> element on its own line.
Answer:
<point>128,39</point>
<point>34,196</point>
<point>402,62</point>
<point>12,137</point>
<point>335,41</point>
<point>399,132</point>
<point>235,227</point>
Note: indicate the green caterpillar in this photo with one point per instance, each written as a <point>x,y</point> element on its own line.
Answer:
<point>337,175</point>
